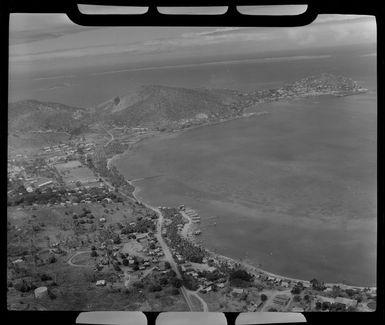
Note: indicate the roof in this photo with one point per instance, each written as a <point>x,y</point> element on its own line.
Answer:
<point>325,299</point>
<point>346,301</point>
<point>238,290</point>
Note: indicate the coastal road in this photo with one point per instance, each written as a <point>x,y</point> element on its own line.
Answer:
<point>186,293</point>
<point>167,253</point>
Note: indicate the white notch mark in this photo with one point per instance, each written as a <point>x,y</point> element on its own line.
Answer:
<point>193,10</point>
<point>283,10</point>
<point>111,10</point>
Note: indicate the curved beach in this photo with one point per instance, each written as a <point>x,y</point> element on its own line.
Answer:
<point>157,156</point>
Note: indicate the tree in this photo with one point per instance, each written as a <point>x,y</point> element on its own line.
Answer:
<point>297,298</point>
<point>296,290</point>
<point>117,239</point>
<point>326,305</point>
<point>263,297</point>
<point>125,262</point>
<point>117,268</point>
<point>52,259</point>
<point>240,274</point>
<point>317,285</point>
<point>177,283</point>
<point>172,273</point>
<point>155,288</point>
<point>94,253</point>
<point>138,285</point>
<point>167,265</point>
<point>163,281</point>
<point>23,286</point>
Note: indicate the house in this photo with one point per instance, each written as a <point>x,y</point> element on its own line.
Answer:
<point>325,299</point>
<point>19,260</point>
<point>101,283</point>
<point>237,291</point>
<point>297,310</point>
<point>220,285</point>
<point>284,284</point>
<point>102,219</point>
<point>107,200</point>
<point>44,184</point>
<point>346,301</point>
<point>281,300</point>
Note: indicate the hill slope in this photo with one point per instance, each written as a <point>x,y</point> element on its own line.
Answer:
<point>162,104</point>
<point>155,106</point>
<point>33,115</point>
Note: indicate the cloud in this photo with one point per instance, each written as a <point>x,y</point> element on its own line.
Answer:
<point>27,28</point>
<point>64,43</point>
<point>224,30</point>
<point>335,30</point>
<point>185,41</point>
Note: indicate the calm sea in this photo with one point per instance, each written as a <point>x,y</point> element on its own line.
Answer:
<point>293,191</point>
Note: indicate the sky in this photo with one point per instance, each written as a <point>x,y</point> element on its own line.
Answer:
<point>48,42</point>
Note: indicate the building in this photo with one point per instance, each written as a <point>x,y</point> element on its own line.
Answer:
<point>44,184</point>
<point>281,300</point>
<point>101,283</point>
<point>237,291</point>
<point>297,310</point>
<point>326,299</point>
<point>346,301</point>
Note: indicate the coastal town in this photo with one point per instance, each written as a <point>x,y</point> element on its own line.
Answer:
<point>79,238</point>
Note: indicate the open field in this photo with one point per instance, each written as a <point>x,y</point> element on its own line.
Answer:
<point>74,172</point>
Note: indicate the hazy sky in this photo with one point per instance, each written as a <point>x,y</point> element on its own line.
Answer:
<point>46,42</point>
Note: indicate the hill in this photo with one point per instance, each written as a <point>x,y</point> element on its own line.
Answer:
<point>163,104</point>
<point>155,105</point>
<point>32,115</point>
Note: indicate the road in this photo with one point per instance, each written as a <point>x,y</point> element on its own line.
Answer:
<point>110,134</point>
<point>73,256</point>
<point>167,253</point>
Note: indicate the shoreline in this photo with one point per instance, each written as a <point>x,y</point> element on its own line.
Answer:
<point>249,267</point>
<point>189,236</point>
